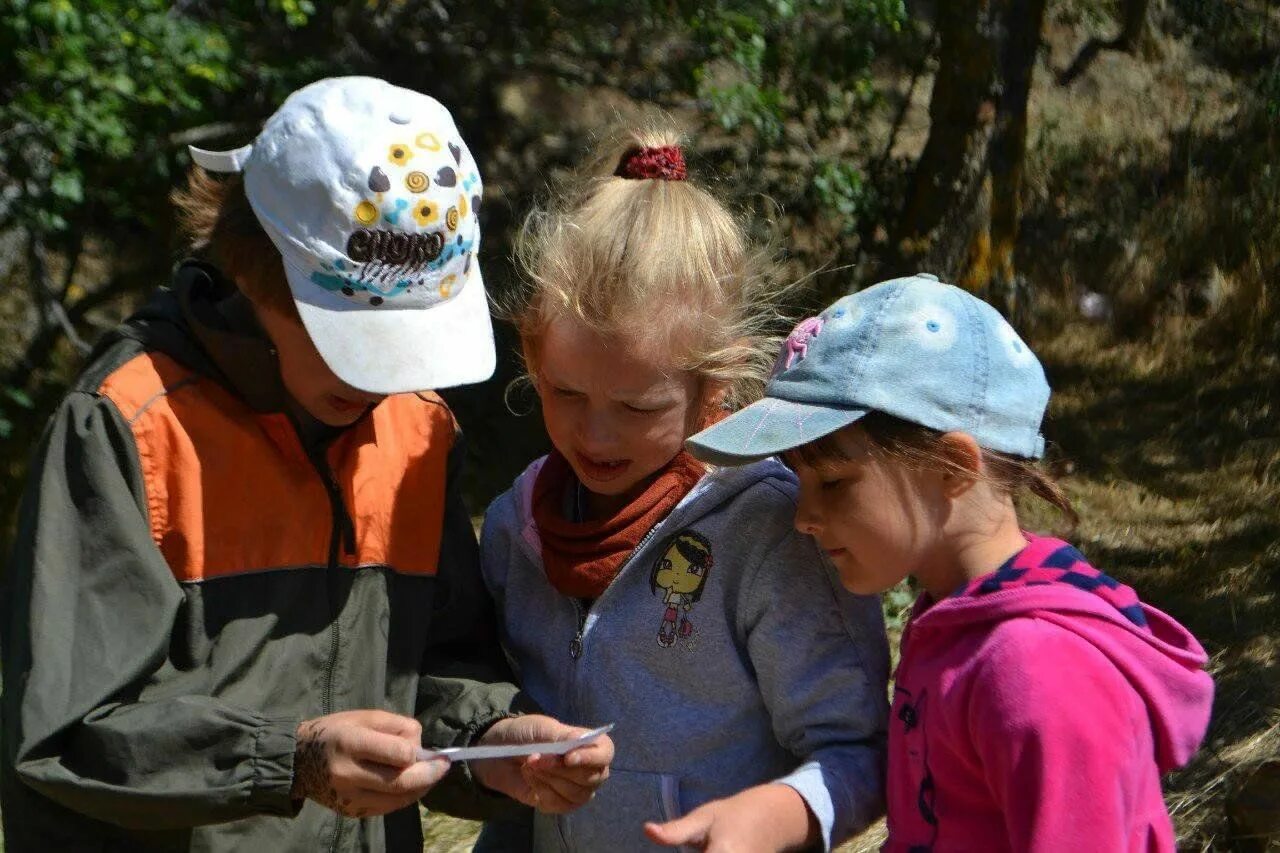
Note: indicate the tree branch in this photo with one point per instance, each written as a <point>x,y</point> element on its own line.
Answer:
<point>73,261</point>
<point>877,168</point>
<point>206,132</point>
<point>40,347</point>
<point>1134,31</point>
<point>50,311</point>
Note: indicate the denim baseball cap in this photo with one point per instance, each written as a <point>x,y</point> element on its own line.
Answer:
<point>914,348</point>
<point>372,197</point>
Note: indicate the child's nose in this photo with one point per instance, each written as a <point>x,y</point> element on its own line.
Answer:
<point>807,521</point>
<point>597,430</point>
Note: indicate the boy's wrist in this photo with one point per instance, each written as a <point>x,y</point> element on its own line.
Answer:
<point>308,761</point>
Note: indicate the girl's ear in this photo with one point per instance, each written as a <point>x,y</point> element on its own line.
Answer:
<point>714,394</point>
<point>528,356</point>
<point>964,461</point>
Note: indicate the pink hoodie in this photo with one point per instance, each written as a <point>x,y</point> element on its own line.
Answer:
<point>1036,708</point>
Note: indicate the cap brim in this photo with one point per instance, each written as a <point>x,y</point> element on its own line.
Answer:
<point>403,349</point>
<point>766,428</point>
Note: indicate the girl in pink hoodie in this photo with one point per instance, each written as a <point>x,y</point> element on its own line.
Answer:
<point>1037,701</point>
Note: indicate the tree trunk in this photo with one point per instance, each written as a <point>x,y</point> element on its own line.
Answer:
<point>939,219</point>
<point>962,211</point>
<point>1133,25</point>
<point>1008,149</point>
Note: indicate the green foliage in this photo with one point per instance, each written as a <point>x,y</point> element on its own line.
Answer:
<point>766,63</point>
<point>840,187</point>
<point>1269,90</point>
<point>896,604</point>
<point>10,398</point>
<point>296,12</point>
<point>93,91</point>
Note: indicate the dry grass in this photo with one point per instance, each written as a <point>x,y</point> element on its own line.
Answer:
<point>444,834</point>
<point>1176,449</point>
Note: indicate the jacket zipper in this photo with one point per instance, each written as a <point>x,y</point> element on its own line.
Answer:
<point>575,645</point>
<point>342,534</point>
<point>343,530</point>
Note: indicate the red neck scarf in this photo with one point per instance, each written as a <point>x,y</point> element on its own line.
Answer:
<point>582,558</point>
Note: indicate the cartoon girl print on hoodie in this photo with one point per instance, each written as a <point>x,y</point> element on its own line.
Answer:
<point>682,573</point>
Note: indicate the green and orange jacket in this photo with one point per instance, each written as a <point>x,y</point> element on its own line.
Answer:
<point>196,572</point>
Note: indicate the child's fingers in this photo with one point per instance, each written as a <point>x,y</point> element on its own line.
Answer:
<point>417,777</point>
<point>548,801</point>
<point>598,753</point>
<point>566,787</point>
<point>552,765</point>
<point>691,829</point>
<point>553,796</point>
<point>392,724</point>
<point>589,777</point>
<point>545,766</point>
<point>373,745</point>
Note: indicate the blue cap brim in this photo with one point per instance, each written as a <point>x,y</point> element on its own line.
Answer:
<point>766,428</point>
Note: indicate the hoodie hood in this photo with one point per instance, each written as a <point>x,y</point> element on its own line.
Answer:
<point>1050,580</point>
<point>160,324</point>
<point>205,323</point>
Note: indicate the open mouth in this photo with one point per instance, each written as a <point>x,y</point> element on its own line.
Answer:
<point>342,404</point>
<point>601,471</point>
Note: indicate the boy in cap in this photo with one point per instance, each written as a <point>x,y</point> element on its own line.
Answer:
<point>245,587</point>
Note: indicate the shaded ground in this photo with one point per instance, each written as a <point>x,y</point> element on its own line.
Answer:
<point>1178,478</point>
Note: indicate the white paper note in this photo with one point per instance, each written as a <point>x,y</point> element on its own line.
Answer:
<point>477,753</point>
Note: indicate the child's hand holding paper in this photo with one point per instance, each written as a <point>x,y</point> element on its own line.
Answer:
<point>539,761</point>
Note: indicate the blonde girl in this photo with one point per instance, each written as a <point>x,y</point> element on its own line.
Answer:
<point>639,587</point>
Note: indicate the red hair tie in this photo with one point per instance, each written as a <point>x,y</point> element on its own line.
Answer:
<point>665,163</point>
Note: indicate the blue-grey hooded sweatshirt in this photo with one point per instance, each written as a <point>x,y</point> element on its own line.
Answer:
<point>725,650</point>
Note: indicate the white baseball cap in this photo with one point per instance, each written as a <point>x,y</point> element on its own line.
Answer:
<point>371,196</point>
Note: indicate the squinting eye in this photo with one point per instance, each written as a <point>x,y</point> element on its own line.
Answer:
<point>639,411</point>
<point>832,484</point>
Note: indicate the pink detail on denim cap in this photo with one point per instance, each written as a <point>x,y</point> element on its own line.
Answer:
<point>797,345</point>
